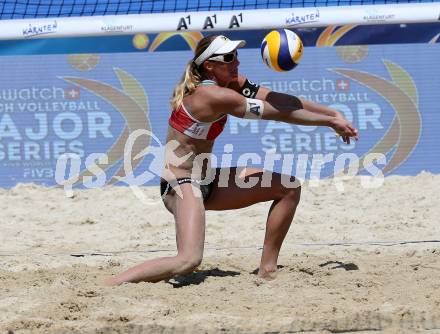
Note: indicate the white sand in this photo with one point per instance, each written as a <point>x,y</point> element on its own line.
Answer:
<point>370,280</point>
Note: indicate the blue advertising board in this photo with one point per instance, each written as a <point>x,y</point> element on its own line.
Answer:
<point>90,103</point>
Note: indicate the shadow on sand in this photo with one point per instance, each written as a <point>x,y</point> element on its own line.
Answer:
<point>338,264</point>
<point>198,277</point>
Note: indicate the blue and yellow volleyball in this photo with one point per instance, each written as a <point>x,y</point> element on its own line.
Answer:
<point>281,50</point>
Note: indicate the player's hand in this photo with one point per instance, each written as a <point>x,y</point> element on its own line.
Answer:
<point>344,129</point>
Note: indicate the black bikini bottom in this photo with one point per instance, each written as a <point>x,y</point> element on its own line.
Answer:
<point>166,186</point>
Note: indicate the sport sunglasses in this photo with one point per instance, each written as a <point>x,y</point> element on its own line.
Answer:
<point>225,58</point>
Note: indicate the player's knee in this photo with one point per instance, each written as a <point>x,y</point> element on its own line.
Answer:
<point>289,187</point>
<point>293,195</point>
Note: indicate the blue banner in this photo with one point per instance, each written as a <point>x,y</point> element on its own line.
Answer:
<point>90,103</point>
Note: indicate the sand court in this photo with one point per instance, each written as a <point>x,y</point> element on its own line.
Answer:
<point>358,260</point>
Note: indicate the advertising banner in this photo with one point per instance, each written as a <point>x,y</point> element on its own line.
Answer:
<point>88,105</point>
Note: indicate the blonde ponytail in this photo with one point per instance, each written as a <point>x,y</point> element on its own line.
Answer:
<point>190,78</point>
<point>192,75</point>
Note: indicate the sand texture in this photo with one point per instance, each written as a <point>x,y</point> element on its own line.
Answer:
<point>359,260</point>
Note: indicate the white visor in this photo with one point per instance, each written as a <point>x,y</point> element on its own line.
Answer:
<point>219,46</point>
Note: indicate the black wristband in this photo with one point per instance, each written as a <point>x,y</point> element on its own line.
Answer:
<point>249,89</point>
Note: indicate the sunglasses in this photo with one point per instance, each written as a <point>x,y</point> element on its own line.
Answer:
<point>225,58</point>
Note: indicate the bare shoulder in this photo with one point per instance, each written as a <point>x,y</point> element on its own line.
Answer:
<point>214,94</point>
<point>214,101</point>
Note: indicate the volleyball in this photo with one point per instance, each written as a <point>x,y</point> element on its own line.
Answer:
<point>281,50</point>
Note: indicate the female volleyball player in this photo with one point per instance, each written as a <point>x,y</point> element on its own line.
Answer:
<point>210,90</point>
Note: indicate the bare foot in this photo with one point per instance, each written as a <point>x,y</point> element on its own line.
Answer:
<point>268,274</point>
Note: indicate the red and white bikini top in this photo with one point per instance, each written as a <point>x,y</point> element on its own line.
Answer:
<point>184,122</point>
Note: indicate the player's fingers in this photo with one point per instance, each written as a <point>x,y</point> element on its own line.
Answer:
<point>352,128</point>
<point>355,131</point>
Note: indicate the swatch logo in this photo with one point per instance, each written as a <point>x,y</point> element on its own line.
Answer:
<point>401,93</point>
